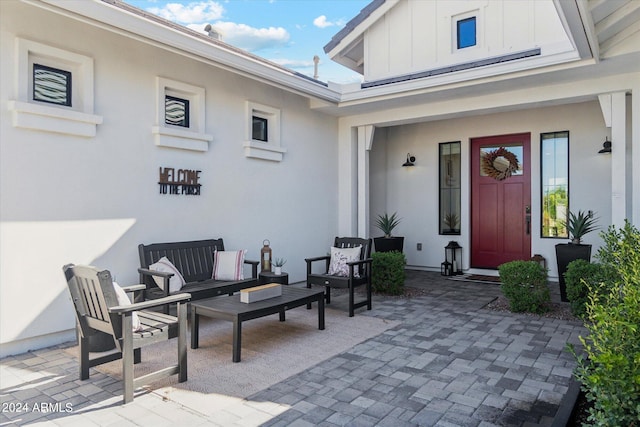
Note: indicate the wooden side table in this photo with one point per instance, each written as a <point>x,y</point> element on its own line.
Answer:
<point>265,277</point>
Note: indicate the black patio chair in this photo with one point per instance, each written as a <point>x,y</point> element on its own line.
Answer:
<point>352,280</point>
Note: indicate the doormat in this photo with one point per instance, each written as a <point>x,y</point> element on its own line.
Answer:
<point>493,279</point>
<point>477,278</point>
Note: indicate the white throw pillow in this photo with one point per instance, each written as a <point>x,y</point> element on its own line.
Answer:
<point>228,265</point>
<point>339,259</point>
<point>123,300</point>
<point>165,266</point>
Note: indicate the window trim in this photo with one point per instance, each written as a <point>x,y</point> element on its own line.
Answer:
<point>172,136</point>
<point>265,150</point>
<point>76,120</point>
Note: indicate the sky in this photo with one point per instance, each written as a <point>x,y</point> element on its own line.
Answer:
<point>288,32</point>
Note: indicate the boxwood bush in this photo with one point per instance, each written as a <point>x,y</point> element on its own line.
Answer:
<point>580,276</point>
<point>388,273</point>
<point>610,372</point>
<point>524,284</point>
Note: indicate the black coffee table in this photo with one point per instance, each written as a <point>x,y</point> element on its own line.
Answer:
<point>230,308</point>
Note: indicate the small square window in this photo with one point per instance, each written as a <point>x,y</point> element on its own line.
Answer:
<point>259,129</point>
<point>176,111</point>
<point>466,32</point>
<point>51,85</point>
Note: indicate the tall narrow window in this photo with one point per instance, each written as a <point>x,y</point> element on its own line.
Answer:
<point>466,32</point>
<point>51,85</point>
<point>554,173</point>
<point>449,187</point>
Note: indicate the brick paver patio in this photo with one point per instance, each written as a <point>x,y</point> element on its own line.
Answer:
<point>450,362</point>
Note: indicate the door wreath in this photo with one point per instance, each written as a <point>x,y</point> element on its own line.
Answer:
<point>499,163</point>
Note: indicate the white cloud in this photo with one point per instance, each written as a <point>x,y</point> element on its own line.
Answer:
<point>250,38</point>
<point>321,22</point>
<point>191,13</point>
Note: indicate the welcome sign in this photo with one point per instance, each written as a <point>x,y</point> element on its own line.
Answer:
<point>181,181</point>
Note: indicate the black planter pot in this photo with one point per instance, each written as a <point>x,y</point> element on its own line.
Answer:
<point>388,244</point>
<point>565,253</point>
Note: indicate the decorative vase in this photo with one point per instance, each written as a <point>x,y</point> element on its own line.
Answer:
<point>277,270</point>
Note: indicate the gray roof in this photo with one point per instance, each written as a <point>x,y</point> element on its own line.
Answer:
<point>364,14</point>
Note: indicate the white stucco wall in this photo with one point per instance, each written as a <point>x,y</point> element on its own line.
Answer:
<point>69,199</point>
<point>413,192</point>
<point>421,35</point>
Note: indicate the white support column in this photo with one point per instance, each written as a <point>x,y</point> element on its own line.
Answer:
<point>347,181</point>
<point>635,156</point>
<point>618,159</point>
<point>365,141</point>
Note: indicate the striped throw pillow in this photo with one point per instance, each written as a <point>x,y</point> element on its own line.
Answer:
<point>228,265</point>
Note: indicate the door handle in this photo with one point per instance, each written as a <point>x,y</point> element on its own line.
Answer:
<point>527,218</point>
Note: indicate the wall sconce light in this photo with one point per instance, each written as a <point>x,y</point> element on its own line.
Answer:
<point>606,146</point>
<point>410,160</point>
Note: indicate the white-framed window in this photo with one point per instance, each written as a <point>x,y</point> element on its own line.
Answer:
<point>263,132</point>
<point>54,90</point>
<point>180,116</point>
<point>465,31</point>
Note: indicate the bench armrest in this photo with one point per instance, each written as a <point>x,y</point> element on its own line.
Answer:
<point>310,261</point>
<point>318,258</point>
<point>133,288</point>
<point>121,309</point>
<point>147,272</point>
<point>254,267</point>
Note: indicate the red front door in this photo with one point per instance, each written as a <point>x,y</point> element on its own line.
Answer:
<point>500,200</point>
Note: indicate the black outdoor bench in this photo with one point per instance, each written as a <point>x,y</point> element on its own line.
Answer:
<point>194,260</point>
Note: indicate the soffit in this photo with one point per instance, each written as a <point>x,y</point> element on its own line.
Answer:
<point>614,21</point>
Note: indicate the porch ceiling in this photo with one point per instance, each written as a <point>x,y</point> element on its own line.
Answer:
<point>614,21</point>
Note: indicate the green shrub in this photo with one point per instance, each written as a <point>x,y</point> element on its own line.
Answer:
<point>580,276</point>
<point>610,374</point>
<point>524,284</point>
<point>388,273</point>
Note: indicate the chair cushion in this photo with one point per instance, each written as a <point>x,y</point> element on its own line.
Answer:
<point>165,266</point>
<point>228,265</point>
<point>123,300</point>
<point>339,259</point>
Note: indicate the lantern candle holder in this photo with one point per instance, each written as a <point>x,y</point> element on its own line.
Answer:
<point>265,256</point>
<point>445,269</point>
<point>453,256</point>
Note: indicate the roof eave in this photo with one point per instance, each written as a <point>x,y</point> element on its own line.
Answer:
<point>183,41</point>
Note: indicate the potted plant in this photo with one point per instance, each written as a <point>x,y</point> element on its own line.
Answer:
<point>277,265</point>
<point>578,225</point>
<point>452,221</point>
<point>387,223</point>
